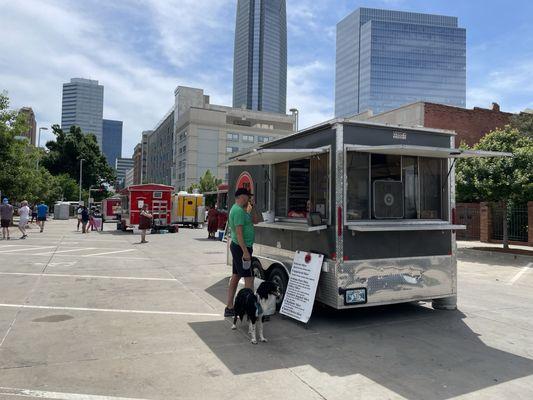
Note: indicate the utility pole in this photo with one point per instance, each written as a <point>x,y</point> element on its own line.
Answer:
<point>81,170</point>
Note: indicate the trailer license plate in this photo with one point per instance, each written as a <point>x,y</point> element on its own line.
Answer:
<point>355,296</point>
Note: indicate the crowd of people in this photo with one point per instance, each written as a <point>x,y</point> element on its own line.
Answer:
<point>90,220</point>
<point>38,213</point>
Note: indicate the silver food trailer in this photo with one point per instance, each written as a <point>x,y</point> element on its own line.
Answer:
<point>376,200</point>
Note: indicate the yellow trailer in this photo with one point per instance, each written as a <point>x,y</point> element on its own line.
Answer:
<point>188,209</point>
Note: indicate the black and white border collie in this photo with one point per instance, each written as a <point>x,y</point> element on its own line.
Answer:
<point>251,305</point>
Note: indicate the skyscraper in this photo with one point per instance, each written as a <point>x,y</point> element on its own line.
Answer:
<point>83,106</point>
<point>386,59</point>
<point>111,140</point>
<point>260,56</point>
<point>31,133</point>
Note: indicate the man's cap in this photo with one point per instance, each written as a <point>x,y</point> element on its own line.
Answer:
<point>241,191</point>
<point>5,201</point>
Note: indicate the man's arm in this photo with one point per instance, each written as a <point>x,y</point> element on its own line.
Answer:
<point>240,239</point>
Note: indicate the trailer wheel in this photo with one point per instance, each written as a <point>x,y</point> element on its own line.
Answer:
<point>279,277</point>
<point>257,270</point>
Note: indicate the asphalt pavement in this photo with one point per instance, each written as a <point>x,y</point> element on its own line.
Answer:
<point>102,317</point>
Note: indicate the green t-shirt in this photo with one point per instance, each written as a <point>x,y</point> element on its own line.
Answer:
<point>237,216</point>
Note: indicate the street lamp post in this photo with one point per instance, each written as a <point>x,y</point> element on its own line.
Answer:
<point>81,170</point>
<point>44,128</point>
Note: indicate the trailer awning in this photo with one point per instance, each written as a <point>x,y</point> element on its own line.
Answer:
<point>425,151</point>
<point>273,156</point>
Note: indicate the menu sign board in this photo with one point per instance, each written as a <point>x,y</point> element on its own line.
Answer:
<point>301,289</point>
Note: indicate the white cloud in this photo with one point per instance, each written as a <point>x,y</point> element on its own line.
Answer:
<point>314,102</point>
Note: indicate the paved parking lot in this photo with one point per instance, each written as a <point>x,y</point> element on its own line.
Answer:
<point>99,317</point>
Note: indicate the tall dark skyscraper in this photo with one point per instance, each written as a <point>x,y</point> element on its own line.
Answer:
<point>386,59</point>
<point>112,140</point>
<point>260,57</point>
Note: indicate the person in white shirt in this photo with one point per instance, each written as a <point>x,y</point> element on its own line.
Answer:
<point>24,214</point>
<point>78,214</point>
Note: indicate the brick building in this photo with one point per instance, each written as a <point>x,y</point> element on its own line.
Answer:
<point>469,124</point>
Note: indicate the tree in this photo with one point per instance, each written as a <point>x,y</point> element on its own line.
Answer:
<point>523,122</point>
<point>208,183</point>
<point>506,180</point>
<point>64,155</point>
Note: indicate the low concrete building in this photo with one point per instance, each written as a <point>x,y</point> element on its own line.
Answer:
<point>469,124</point>
<point>205,134</point>
<point>121,166</point>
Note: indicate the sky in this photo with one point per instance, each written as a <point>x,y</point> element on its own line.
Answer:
<point>141,50</point>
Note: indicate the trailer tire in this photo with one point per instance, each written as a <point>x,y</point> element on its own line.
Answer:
<point>257,270</point>
<point>279,276</point>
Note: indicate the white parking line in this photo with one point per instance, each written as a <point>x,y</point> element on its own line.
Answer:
<point>109,310</point>
<point>39,394</point>
<point>133,278</point>
<point>65,251</point>
<point>27,249</point>
<point>108,252</point>
<point>519,274</point>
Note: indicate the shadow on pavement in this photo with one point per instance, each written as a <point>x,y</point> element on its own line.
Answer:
<point>415,351</point>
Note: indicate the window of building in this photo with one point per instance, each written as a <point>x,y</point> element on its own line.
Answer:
<point>383,186</point>
<point>263,139</point>
<point>231,149</point>
<point>233,137</point>
<point>248,138</point>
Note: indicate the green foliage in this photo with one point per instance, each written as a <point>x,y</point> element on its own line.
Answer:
<point>64,155</point>
<point>523,122</point>
<point>508,179</point>
<point>208,183</point>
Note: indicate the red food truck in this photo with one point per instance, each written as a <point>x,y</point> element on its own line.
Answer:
<point>159,200</point>
<point>111,208</point>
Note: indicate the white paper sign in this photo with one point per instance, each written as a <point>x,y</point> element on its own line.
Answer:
<point>301,289</point>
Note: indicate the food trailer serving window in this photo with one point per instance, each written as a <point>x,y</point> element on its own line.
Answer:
<point>302,186</point>
<point>393,186</point>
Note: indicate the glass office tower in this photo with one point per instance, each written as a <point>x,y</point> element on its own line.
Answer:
<point>83,106</point>
<point>111,140</point>
<point>260,56</point>
<point>386,59</point>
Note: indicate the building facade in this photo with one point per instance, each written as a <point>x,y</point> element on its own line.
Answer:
<point>470,125</point>
<point>111,140</point>
<point>260,56</point>
<point>31,133</point>
<point>121,166</point>
<point>159,157</point>
<point>385,59</point>
<point>129,177</point>
<point>205,134</point>
<point>83,106</point>
<point>140,159</point>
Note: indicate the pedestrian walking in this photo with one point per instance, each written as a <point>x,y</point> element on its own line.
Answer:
<point>84,219</point>
<point>42,212</point>
<point>24,216</point>
<point>91,219</point>
<point>34,213</point>
<point>6,215</point>
<point>97,220</point>
<point>78,215</point>
<point>241,220</point>
<point>145,222</point>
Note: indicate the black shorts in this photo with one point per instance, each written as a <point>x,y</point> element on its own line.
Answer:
<point>41,218</point>
<point>236,254</point>
<point>5,223</point>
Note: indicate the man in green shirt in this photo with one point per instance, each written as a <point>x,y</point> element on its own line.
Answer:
<point>241,223</point>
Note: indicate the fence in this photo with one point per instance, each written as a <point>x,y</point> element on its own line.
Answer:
<point>517,222</point>
<point>468,214</point>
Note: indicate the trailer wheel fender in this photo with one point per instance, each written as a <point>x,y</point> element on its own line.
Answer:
<point>278,275</point>
<point>257,269</point>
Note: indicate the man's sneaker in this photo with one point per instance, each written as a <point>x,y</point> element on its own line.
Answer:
<point>229,312</point>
